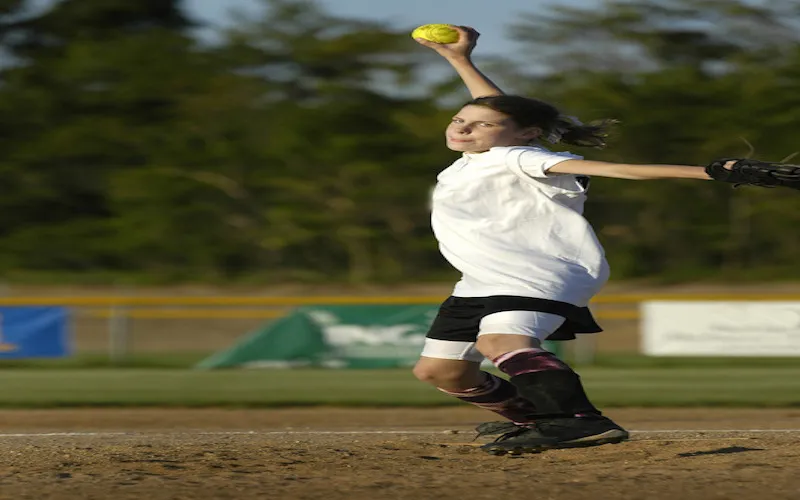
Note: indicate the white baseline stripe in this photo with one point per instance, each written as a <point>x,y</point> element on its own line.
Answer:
<point>742,431</point>
<point>335,433</point>
<point>207,433</point>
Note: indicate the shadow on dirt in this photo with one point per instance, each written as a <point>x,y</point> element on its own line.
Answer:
<point>720,451</point>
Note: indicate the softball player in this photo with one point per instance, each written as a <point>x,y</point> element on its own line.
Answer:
<point>508,215</point>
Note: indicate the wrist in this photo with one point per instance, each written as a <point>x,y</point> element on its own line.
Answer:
<point>459,59</point>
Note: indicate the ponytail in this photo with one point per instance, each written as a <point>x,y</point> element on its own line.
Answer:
<point>570,130</point>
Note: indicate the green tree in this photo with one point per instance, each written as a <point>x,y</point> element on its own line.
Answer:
<point>307,168</point>
<point>305,145</point>
<point>686,86</point>
<point>89,90</point>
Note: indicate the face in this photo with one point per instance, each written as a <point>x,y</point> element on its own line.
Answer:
<point>476,129</point>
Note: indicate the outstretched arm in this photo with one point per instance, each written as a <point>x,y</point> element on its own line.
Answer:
<point>629,171</point>
<point>459,55</point>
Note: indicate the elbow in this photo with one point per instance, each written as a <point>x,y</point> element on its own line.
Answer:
<point>630,173</point>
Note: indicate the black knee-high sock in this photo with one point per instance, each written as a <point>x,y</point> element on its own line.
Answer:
<point>550,384</point>
<point>497,395</point>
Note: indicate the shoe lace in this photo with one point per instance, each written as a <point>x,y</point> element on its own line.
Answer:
<point>493,428</point>
<point>514,433</point>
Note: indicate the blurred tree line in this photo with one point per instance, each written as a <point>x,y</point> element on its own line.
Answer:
<point>303,146</point>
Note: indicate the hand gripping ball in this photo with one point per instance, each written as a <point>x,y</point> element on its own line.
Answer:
<point>438,33</point>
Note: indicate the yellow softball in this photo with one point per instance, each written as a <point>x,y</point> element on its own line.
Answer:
<point>438,33</point>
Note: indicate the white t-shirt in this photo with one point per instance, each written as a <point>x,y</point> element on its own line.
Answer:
<point>512,229</point>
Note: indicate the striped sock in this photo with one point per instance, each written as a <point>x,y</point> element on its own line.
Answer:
<point>499,396</point>
<point>553,388</point>
<point>530,360</point>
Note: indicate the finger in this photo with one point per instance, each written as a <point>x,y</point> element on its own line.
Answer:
<point>463,33</point>
<point>426,43</point>
<point>467,33</point>
<point>471,33</point>
<point>729,165</point>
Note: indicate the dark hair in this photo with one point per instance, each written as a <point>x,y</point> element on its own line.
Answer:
<point>526,112</point>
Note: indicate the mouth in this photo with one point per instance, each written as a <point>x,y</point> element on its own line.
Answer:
<point>458,141</point>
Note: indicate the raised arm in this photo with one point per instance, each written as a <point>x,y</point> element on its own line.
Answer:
<point>459,55</point>
<point>629,171</point>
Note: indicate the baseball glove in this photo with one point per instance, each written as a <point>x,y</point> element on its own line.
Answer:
<point>755,173</point>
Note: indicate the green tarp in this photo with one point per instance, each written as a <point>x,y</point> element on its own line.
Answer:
<point>373,336</point>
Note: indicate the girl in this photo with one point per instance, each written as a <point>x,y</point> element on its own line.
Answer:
<point>508,215</point>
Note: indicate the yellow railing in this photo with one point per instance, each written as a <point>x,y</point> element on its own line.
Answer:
<point>117,311</point>
<point>110,301</point>
<point>229,307</point>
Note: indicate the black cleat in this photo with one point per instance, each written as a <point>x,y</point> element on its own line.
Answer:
<point>551,433</point>
<point>576,432</point>
<point>495,428</point>
<point>519,440</point>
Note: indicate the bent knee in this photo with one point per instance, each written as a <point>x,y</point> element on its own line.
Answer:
<point>448,374</point>
<point>428,372</point>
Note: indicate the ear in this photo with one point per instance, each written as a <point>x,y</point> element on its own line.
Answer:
<point>531,133</point>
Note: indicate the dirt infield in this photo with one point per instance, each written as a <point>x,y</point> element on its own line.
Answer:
<point>388,453</point>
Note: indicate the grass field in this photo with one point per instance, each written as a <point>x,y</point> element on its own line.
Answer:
<point>646,386</point>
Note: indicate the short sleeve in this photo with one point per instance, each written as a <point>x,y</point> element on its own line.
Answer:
<point>534,161</point>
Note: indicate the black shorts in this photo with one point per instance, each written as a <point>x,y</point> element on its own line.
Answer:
<point>459,318</point>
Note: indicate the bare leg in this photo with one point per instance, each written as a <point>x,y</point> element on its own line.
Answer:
<point>465,381</point>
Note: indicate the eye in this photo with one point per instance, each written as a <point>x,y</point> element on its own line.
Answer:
<point>457,120</point>
<point>487,124</point>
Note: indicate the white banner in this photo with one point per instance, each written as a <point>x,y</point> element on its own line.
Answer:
<point>721,328</point>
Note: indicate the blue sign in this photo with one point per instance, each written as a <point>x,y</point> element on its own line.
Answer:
<point>34,332</point>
